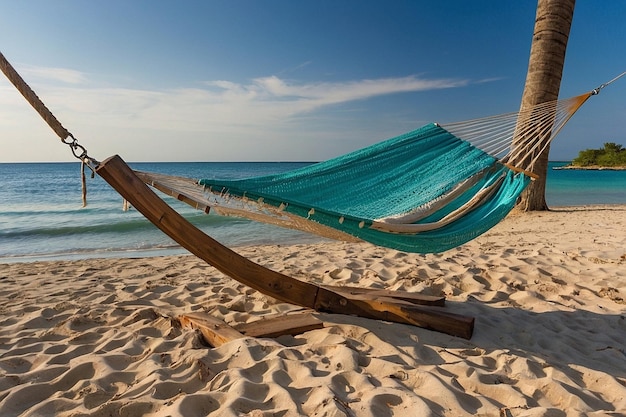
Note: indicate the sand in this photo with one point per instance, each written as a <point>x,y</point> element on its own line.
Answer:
<point>548,290</point>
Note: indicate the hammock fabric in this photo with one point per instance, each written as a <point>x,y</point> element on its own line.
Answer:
<point>363,192</point>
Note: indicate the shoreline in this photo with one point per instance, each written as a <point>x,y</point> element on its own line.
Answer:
<point>176,250</point>
<point>588,168</point>
<point>97,337</point>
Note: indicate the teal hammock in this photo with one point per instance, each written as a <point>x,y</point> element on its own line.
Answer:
<point>362,192</point>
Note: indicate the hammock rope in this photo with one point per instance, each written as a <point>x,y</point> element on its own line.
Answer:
<point>531,129</point>
<point>66,137</point>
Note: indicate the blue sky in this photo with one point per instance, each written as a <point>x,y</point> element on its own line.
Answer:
<point>284,80</point>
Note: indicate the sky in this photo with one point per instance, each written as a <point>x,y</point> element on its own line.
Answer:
<point>284,80</point>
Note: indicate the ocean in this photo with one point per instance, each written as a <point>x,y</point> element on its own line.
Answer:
<point>42,218</point>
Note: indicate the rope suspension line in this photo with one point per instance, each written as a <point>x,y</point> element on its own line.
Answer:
<point>66,137</point>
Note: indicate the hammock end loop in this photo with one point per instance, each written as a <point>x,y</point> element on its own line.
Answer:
<point>83,183</point>
<point>596,91</point>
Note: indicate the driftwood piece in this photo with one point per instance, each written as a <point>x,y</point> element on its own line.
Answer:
<point>216,332</point>
<point>281,324</point>
<point>370,304</point>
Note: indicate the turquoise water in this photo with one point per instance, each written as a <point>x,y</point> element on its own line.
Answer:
<point>584,187</point>
<point>41,213</point>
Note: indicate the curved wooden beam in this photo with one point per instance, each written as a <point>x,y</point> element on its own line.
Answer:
<point>121,177</point>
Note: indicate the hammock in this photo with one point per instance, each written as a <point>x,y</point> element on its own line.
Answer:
<point>425,191</point>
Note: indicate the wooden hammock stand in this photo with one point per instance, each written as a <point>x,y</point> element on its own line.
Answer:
<point>395,306</point>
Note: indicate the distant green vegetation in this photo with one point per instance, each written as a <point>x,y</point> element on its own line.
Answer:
<point>611,155</point>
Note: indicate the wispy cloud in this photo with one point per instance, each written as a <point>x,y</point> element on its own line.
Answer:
<point>489,80</point>
<point>329,93</point>
<point>296,68</point>
<point>307,97</point>
<point>64,75</point>
<point>222,104</point>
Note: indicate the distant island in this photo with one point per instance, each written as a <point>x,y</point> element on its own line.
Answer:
<point>611,157</point>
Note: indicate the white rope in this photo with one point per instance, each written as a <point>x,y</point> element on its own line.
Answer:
<point>518,136</point>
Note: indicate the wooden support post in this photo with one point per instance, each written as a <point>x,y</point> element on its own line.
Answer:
<point>415,298</point>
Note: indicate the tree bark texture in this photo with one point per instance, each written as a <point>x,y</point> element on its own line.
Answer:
<point>543,81</point>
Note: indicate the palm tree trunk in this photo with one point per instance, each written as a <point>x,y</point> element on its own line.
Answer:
<point>543,81</point>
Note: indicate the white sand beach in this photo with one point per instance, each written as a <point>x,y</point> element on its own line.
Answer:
<point>548,291</point>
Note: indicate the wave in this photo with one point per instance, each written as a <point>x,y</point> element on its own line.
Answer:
<point>81,253</point>
<point>104,225</point>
